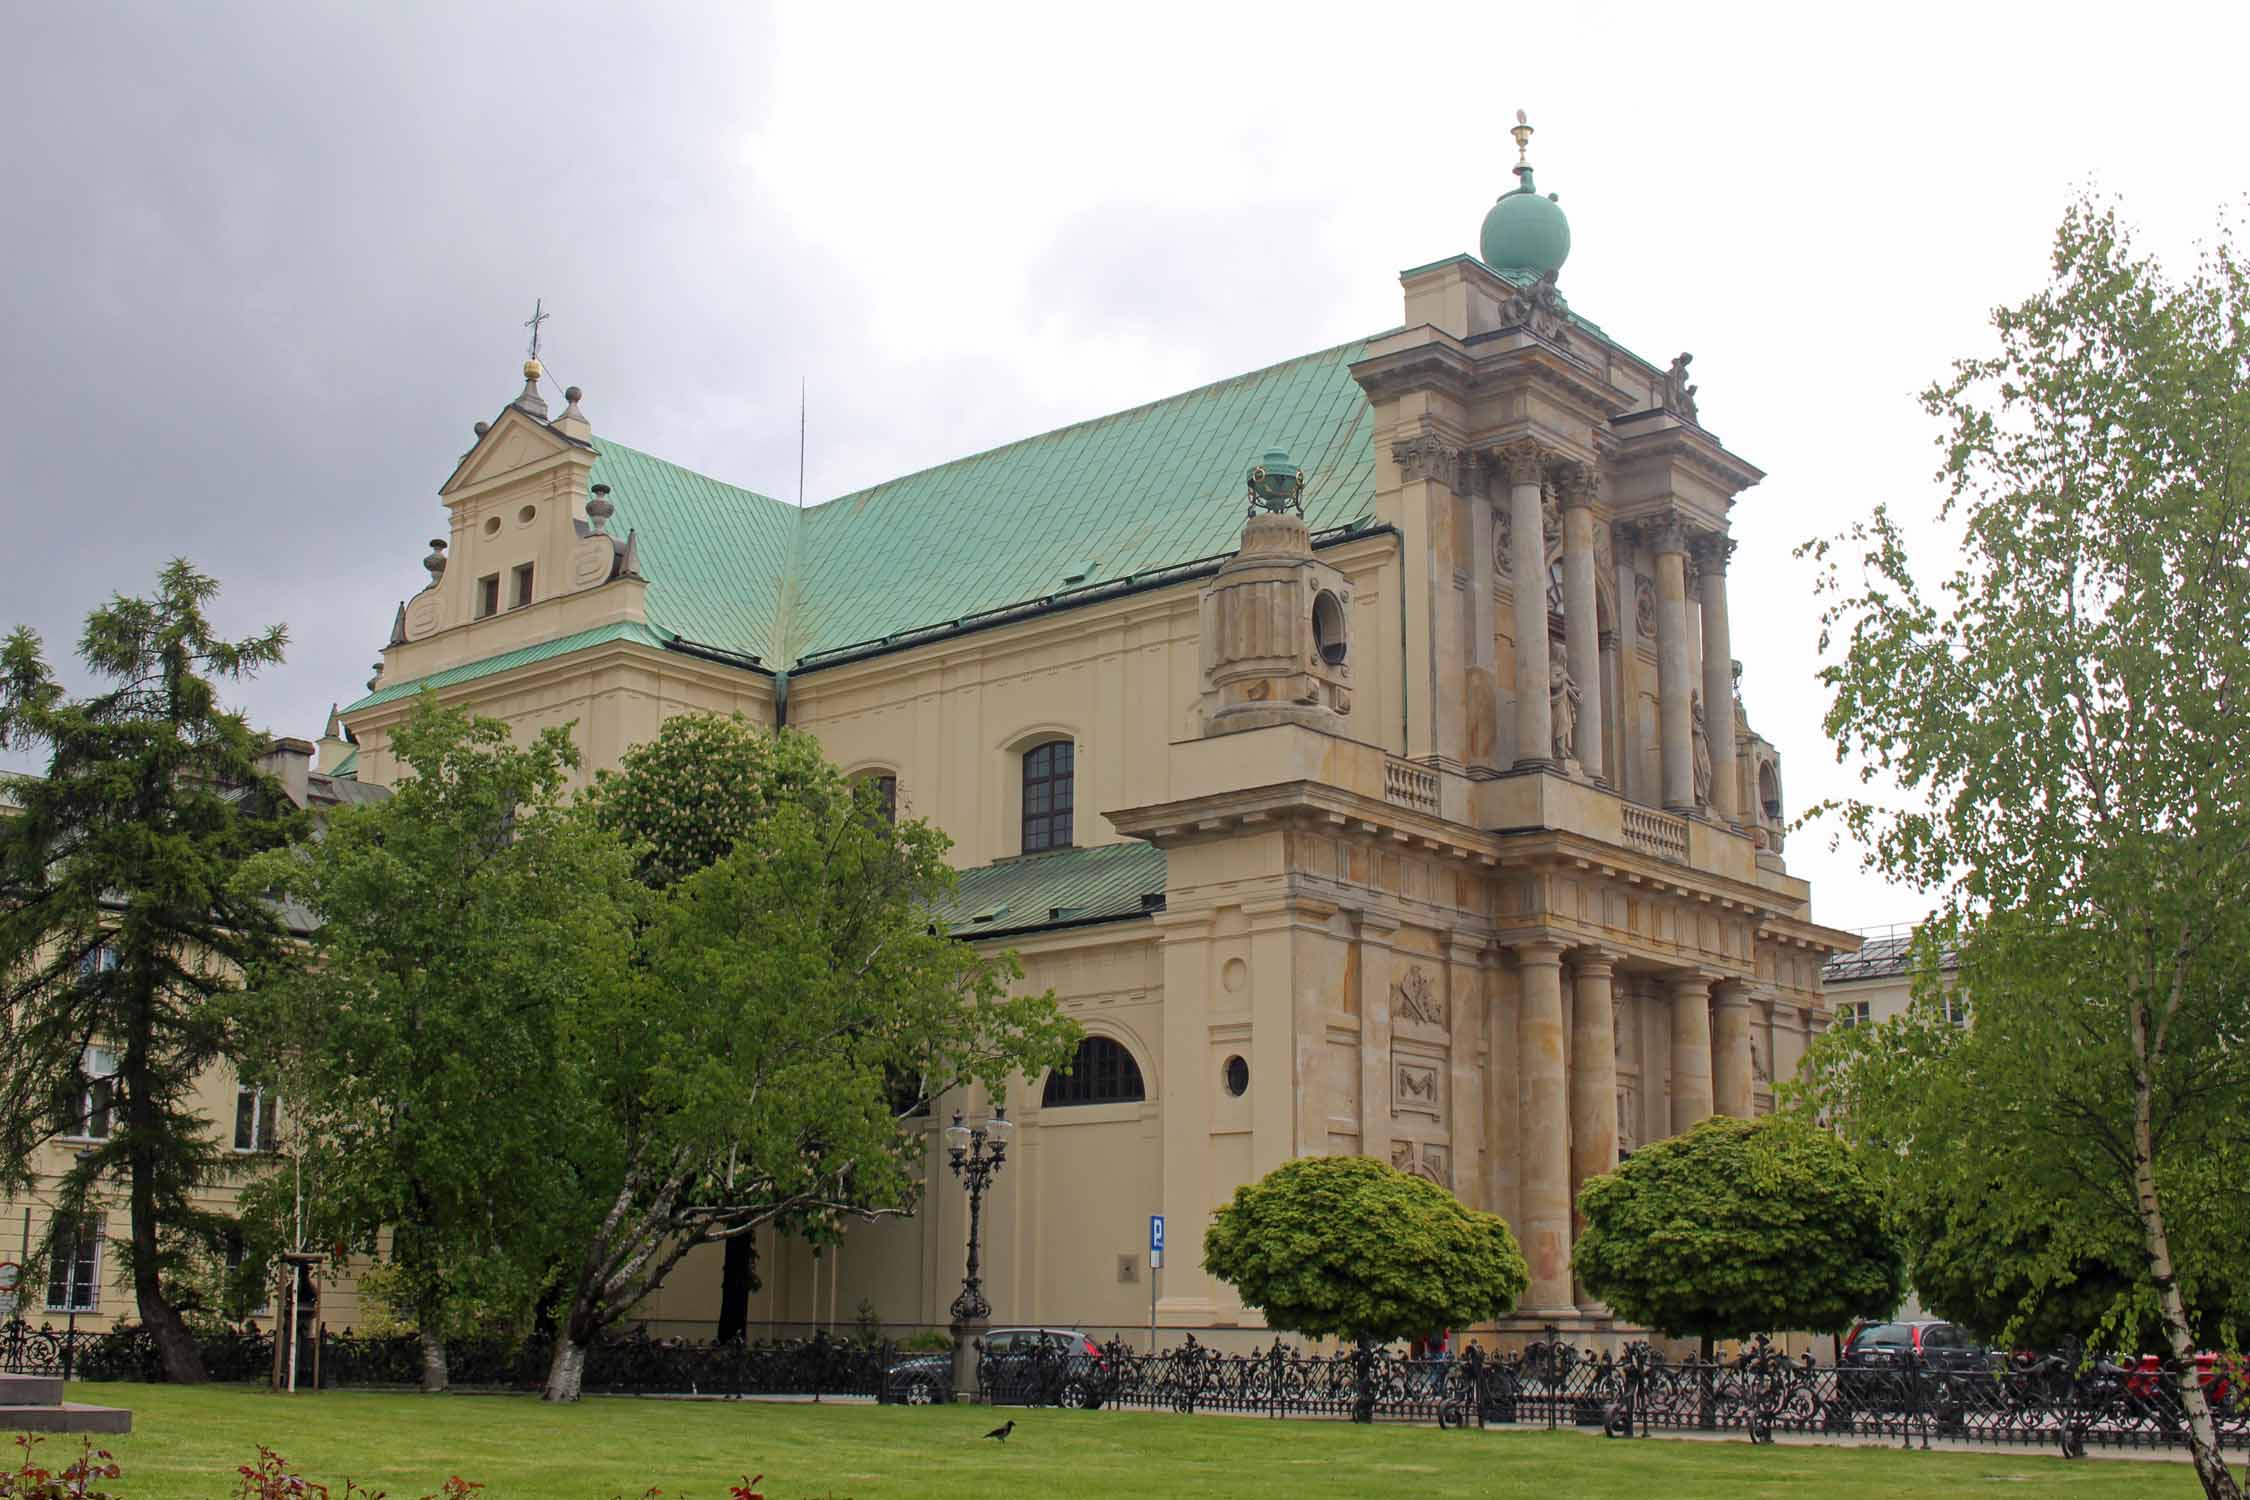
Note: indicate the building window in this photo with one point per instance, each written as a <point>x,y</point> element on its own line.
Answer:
<point>1048,796</point>
<point>88,1113</point>
<point>254,1119</point>
<point>1853,1013</point>
<point>74,1282</point>
<point>1329,634</point>
<point>886,794</point>
<point>520,594</point>
<point>1102,1073</point>
<point>488,595</point>
<point>1236,1075</point>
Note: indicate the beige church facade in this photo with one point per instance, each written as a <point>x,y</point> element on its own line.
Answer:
<point>1353,747</point>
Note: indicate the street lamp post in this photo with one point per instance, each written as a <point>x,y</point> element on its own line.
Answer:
<point>976,1153</point>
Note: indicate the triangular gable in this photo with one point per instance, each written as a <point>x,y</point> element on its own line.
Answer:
<point>515,442</point>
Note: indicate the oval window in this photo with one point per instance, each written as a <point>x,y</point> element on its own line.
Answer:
<point>527,515</point>
<point>1328,628</point>
<point>1237,1076</point>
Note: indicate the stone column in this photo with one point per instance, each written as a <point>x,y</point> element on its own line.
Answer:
<point>1484,605</point>
<point>1730,1051</point>
<point>1614,708</point>
<point>1718,677</point>
<point>1581,625</point>
<point>1674,689</point>
<point>1545,1130</point>
<point>1464,1100</point>
<point>1525,464</point>
<point>1691,1051</point>
<point>1593,1072</point>
<point>1629,773</point>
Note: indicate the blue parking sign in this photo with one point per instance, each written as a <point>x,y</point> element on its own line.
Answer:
<point>1156,1234</point>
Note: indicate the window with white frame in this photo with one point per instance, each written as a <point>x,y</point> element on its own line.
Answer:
<point>1853,1012</point>
<point>74,1281</point>
<point>255,1116</point>
<point>88,1117</point>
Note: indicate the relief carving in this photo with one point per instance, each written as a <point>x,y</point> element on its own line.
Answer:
<point>1423,1160</point>
<point>1644,606</point>
<point>1414,999</point>
<point>1415,1088</point>
<point>1503,542</point>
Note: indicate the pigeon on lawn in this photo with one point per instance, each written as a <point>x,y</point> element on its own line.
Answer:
<point>1001,1432</point>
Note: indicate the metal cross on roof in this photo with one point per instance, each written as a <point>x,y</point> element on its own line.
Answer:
<point>538,316</point>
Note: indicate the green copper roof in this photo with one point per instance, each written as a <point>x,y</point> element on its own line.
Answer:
<point>545,650</point>
<point>1085,505</point>
<point>1108,882</point>
<point>716,557</point>
<point>1104,500</point>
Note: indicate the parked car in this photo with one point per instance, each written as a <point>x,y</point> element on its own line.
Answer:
<point>1038,1366</point>
<point>1898,1365</point>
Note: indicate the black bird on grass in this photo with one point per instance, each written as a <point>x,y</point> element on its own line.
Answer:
<point>1001,1432</point>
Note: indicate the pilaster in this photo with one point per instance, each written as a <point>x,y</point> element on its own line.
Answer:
<point>1373,930</point>
<point>1544,1226</point>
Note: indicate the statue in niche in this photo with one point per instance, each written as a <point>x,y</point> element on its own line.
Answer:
<point>1679,396</point>
<point>1702,750</point>
<point>1563,700</point>
<point>1758,1068</point>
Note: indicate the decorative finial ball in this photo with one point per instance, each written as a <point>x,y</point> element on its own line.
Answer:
<point>572,395</point>
<point>483,428</point>
<point>532,369</point>
<point>1525,232</point>
<point>1522,118</point>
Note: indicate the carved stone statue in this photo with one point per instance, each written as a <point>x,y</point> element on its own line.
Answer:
<point>1679,396</point>
<point>1563,699</point>
<point>1702,750</point>
<point>1540,308</point>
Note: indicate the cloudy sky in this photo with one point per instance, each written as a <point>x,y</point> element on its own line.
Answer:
<point>266,264</point>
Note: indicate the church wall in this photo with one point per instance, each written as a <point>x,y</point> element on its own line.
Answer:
<point>952,719</point>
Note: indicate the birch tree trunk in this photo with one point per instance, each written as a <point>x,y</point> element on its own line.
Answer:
<point>2202,1431</point>
<point>436,1374</point>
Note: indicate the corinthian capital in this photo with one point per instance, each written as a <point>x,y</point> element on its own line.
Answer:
<point>1580,486</point>
<point>1712,549</point>
<point>1666,534</point>
<point>1524,461</point>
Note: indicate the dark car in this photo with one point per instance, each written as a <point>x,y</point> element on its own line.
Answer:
<point>1896,1366</point>
<point>1021,1366</point>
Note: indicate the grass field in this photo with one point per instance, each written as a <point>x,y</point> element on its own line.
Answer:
<point>186,1443</point>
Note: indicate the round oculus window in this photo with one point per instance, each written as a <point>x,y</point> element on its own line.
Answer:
<point>1328,628</point>
<point>1236,1076</point>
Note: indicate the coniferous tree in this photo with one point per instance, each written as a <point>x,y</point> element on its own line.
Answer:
<point>120,924</point>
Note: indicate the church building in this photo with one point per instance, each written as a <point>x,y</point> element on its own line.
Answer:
<point>1353,746</point>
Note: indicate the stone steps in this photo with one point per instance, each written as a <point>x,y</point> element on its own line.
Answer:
<point>34,1403</point>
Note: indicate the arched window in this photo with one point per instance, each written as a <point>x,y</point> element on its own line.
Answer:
<point>1049,794</point>
<point>1102,1073</point>
<point>886,793</point>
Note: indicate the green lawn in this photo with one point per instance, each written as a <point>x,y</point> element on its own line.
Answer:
<point>186,1443</point>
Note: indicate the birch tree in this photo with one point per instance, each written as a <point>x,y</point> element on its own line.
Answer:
<point>2067,706</point>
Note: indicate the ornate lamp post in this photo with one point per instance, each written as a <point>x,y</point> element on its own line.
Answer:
<point>976,1153</point>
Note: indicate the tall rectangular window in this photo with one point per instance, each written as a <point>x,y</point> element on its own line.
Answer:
<point>87,1112</point>
<point>74,1281</point>
<point>1853,1013</point>
<point>255,1117</point>
<point>1049,795</point>
<point>520,593</point>
<point>488,595</point>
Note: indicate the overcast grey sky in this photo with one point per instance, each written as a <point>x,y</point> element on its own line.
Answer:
<point>267,263</point>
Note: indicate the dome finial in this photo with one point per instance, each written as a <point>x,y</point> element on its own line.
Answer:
<point>1523,232</point>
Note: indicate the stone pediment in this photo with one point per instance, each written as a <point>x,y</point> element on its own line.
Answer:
<point>514,445</point>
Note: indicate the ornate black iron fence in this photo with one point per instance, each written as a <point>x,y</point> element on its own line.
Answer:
<point>2061,1401</point>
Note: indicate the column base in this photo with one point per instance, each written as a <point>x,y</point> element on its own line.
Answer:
<point>1536,763</point>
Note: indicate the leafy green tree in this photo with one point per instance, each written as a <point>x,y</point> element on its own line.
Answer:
<point>2066,710</point>
<point>465,925</point>
<point>1352,1247</point>
<point>119,925</point>
<point>1739,1227</point>
<point>791,1011</point>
